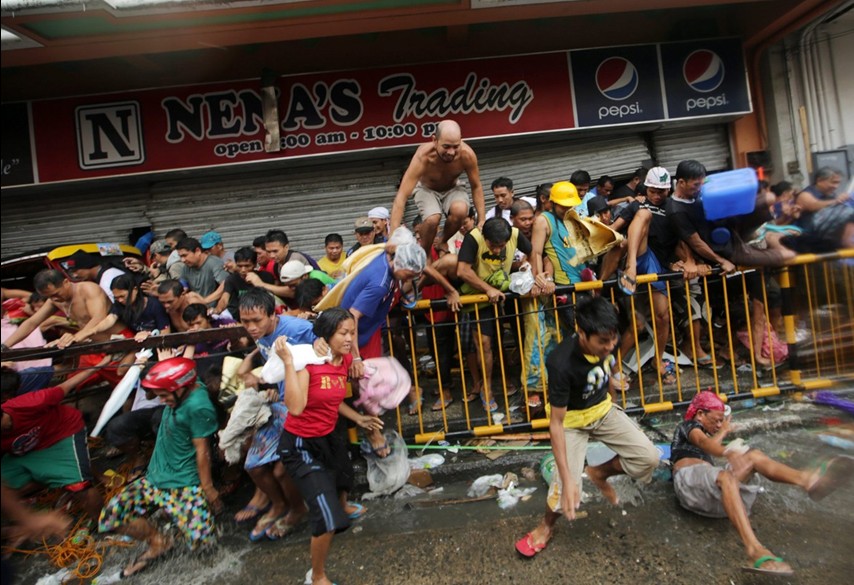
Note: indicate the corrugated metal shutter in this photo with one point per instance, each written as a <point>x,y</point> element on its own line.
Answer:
<point>31,222</point>
<point>310,202</point>
<point>306,201</point>
<point>547,162</point>
<point>707,144</point>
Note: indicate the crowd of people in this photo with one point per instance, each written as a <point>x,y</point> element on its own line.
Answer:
<point>292,436</point>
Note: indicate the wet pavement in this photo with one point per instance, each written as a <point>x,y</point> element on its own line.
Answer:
<point>650,540</point>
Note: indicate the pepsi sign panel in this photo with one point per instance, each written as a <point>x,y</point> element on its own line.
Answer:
<point>705,78</point>
<point>616,85</point>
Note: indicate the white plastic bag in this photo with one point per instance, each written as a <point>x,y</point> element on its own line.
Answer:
<point>388,474</point>
<point>273,371</point>
<point>428,461</point>
<point>521,283</point>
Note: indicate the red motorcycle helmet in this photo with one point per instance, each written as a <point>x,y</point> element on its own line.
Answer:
<point>170,375</point>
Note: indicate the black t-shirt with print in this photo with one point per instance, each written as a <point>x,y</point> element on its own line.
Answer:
<point>682,447</point>
<point>575,382</point>
<point>662,237</point>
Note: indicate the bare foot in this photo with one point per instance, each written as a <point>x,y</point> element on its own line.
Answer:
<point>159,546</point>
<point>541,535</point>
<point>830,476</point>
<point>378,444</point>
<point>601,482</point>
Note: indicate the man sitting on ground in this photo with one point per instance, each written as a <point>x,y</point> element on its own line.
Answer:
<point>730,492</point>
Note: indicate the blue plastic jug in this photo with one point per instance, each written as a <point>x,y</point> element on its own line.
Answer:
<point>729,193</point>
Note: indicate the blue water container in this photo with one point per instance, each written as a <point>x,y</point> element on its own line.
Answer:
<point>729,193</point>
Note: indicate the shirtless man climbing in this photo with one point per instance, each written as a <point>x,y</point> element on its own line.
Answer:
<point>433,180</point>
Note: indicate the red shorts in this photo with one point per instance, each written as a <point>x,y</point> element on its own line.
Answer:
<point>108,373</point>
<point>374,347</point>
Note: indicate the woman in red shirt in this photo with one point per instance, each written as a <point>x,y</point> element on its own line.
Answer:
<point>313,453</point>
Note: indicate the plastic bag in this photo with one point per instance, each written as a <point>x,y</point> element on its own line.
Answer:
<point>273,371</point>
<point>521,283</point>
<point>482,484</point>
<point>428,461</point>
<point>388,474</point>
<point>384,385</point>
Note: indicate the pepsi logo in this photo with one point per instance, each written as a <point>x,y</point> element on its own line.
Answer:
<point>616,78</point>
<point>703,70</point>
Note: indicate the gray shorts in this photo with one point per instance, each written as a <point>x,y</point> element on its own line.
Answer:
<point>619,432</point>
<point>697,490</point>
<point>432,202</point>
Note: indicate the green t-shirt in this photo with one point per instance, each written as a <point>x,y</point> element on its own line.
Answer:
<point>322,277</point>
<point>173,463</point>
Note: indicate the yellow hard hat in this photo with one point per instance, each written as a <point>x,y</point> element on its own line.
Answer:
<point>564,193</point>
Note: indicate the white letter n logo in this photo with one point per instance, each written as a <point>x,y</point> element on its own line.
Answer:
<point>109,135</point>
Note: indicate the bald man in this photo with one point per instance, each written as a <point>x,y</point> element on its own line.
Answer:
<point>433,180</point>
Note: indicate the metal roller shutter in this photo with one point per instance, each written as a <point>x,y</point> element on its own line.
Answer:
<point>707,144</point>
<point>306,203</point>
<point>311,202</point>
<point>555,160</point>
<point>38,220</point>
<point>307,200</point>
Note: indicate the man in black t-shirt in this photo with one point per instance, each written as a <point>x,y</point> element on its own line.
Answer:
<point>651,250</point>
<point>237,283</point>
<point>581,405</point>
<point>685,213</point>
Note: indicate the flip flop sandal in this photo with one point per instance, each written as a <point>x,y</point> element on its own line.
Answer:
<point>492,406</point>
<point>706,362</point>
<point>257,534</point>
<point>279,529</point>
<point>756,567</point>
<point>471,396</point>
<point>440,404</point>
<point>626,291</point>
<point>255,511</point>
<point>358,512</point>
<point>369,450</point>
<point>526,547</point>
<point>832,475</point>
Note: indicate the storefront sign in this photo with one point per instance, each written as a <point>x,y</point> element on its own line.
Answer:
<point>616,85</point>
<point>705,78</point>
<point>204,126</point>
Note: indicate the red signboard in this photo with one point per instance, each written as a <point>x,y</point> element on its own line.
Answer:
<point>203,126</point>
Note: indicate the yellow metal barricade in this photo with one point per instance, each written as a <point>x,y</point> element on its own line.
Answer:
<point>716,332</point>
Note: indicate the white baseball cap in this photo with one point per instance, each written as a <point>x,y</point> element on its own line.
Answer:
<point>658,178</point>
<point>293,270</point>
